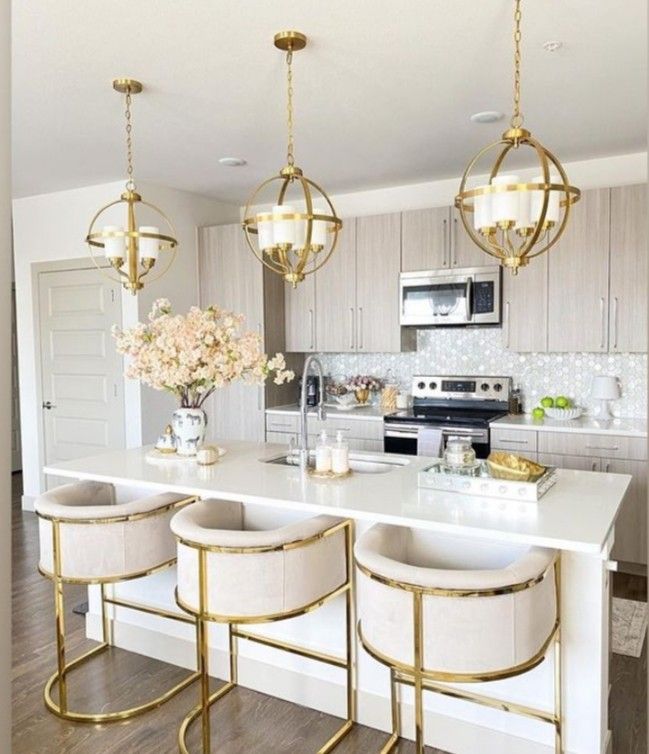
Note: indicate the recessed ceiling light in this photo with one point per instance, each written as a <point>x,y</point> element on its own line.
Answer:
<point>487,116</point>
<point>232,162</point>
<point>552,45</point>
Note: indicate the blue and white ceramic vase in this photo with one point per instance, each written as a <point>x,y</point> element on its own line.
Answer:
<point>189,426</point>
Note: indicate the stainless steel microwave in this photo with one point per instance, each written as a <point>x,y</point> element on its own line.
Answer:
<point>466,296</point>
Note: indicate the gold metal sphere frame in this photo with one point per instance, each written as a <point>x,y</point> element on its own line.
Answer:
<point>498,241</point>
<point>292,264</point>
<point>137,268</point>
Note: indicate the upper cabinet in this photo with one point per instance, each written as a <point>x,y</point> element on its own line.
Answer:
<point>578,278</point>
<point>628,291</point>
<point>433,239</point>
<point>525,307</point>
<point>378,244</point>
<point>336,295</point>
<point>352,302</point>
<point>424,239</point>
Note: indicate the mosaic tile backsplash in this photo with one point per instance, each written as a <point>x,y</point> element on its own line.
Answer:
<point>480,351</point>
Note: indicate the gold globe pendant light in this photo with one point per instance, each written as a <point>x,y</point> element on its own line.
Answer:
<point>298,234</point>
<point>131,249</point>
<point>507,218</point>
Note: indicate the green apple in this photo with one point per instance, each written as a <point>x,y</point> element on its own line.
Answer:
<point>547,402</point>
<point>562,402</point>
<point>538,412</point>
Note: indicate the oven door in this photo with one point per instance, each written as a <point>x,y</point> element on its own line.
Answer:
<point>402,438</point>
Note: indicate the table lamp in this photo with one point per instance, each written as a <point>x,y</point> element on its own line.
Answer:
<point>605,388</point>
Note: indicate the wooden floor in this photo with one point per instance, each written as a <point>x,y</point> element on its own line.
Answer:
<point>244,722</point>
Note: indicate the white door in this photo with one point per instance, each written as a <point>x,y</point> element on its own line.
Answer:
<point>82,384</point>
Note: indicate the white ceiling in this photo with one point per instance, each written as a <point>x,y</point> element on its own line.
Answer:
<point>383,95</point>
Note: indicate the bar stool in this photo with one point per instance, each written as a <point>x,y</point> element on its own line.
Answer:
<point>437,609</point>
<point>232,571</point>
<point>88,538</point>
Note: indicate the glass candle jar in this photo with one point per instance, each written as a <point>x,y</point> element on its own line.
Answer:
<point>459,452</point>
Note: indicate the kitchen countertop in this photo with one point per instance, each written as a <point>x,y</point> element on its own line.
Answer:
<point>372,412</point>
<point>577,514</point>
<point>586,424</point>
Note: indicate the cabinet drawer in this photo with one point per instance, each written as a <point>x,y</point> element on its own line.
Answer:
<point>516,440</point>
<point>360,429</point>
<point>598,446</point>
<point>282,438</point>
<point>282,423</point>
<point>580,463</point>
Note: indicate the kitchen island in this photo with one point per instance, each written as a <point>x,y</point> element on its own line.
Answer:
<point>576,516</point>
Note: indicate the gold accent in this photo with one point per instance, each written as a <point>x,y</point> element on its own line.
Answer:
<point>292,263</point>
<point>505,465</point>
<point>511,246</point>
<point>329,474</point>
<point>421,679</point>
<point>59,678</point>
<point>290,40</point>
<point>127,86</point>
<point>203,617</point>
<point>136,268</point>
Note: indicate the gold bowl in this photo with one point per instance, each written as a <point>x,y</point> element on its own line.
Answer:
<point>362,394</point>
<point>504,465</point>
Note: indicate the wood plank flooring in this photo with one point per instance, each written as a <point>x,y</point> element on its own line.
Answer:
<point>244,722</point>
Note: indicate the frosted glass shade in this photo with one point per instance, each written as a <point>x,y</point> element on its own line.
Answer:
<point>319,231</point>
<point>149,247</point>
<point>283,230</point>
<point>504,204</point>
<point>114,248</point>
<point>482,211</point>
<point>265,233</point>
<point>552,214</point>
<point>605,387</point>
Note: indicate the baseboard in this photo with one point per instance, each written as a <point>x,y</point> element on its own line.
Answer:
<point>27,502</point>
<point>442,731</point>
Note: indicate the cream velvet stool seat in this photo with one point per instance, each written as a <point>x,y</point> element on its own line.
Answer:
<point>232,570</point>
<point>86,537</point>
<point>438,609</point>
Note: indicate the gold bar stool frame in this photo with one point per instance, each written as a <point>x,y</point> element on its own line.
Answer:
<point>423,679</point>
<point>202,552</point>
<point>54,527</point>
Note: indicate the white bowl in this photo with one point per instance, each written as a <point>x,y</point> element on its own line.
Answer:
<point>564,414</point>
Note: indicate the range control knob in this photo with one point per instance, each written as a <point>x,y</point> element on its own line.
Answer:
<point>484,386</point>
<point>421,385</point>
<point>498,387</point>
<point>433,386</point>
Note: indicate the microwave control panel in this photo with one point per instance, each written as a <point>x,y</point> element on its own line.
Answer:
<point>483,296</point>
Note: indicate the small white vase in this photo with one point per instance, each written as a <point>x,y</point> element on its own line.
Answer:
<point>189,426</point>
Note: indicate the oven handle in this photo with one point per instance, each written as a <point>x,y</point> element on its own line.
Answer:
<point>412,431</point>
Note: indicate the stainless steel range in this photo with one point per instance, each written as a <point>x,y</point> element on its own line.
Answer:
<point>452,405</point>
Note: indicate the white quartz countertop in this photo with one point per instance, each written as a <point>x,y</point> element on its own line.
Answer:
<point>588,424</point>
<point>371,412</point>
<point>576,514</point>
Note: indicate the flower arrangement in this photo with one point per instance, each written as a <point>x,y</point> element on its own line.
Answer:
<point>193,355</point>
<point>365,382</point>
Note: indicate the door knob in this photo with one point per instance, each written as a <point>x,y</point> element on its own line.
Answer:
<point>48,405</point>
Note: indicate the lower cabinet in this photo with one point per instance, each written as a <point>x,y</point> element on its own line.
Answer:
<point>360,434</point>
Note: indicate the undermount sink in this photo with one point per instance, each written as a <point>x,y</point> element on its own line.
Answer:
<point>357,462</point>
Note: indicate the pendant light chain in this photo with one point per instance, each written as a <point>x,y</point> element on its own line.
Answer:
<point>130,183</point>
<point>517,117</point>
<point>290,159</point>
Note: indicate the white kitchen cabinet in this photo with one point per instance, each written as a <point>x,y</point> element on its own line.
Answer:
<point>631,526</point>
<point>514,440</point>
<point>463,251</point>
<point>581,463</point>
<point>230,277</point>
<point>578,278</point>
<point>628,287</point>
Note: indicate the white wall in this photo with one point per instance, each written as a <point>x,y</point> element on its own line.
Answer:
<point>51,227</point>
<point>5,378</point>
<point>619,170</point>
